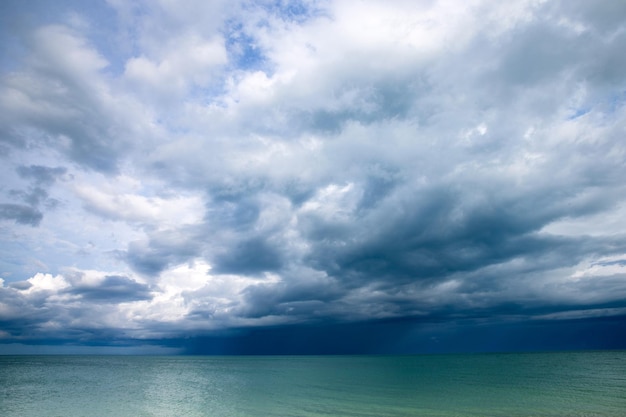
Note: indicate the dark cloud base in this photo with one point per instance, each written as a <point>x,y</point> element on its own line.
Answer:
<point>407,336</point>
<point>404,336</point>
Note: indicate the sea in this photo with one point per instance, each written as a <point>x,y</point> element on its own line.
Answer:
<point>558,384</point>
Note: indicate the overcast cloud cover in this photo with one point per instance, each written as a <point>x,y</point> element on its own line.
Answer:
<point>319,176</point>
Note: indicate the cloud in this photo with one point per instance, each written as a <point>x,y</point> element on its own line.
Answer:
<point>188,64</point>
<point>250,256</point>
<point>162,249</point>
<point>35,196</point>
<point>237,165</point>
<point>21,214</point>
<point>62,100</point>
<point>113,204</point>
<point>112,289</point>
<point>61,306</point>
<point>42,175</point>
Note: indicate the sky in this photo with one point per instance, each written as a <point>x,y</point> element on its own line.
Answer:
<point>310,176</point>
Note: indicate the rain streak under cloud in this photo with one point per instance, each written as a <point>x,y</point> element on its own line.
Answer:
<point>312,176</point>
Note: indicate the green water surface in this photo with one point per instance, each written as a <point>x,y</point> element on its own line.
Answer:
<point>574,384</point>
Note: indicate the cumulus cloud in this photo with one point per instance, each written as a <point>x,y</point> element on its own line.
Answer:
<point>263,164</point>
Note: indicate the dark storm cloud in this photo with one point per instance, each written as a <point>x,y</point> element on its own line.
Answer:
<point>112,289</point>
<point>415,335</point>
<point>296,297</point>
<point>435,232</point>
<point>163,249</point>
<point>250,256</point>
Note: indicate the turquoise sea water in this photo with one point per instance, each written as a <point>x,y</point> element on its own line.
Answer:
<point>573,384</point>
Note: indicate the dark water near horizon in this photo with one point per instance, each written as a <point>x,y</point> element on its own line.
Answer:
<point>572,384</point>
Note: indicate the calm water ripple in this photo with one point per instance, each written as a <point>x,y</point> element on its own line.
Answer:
<point>574,384</point>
